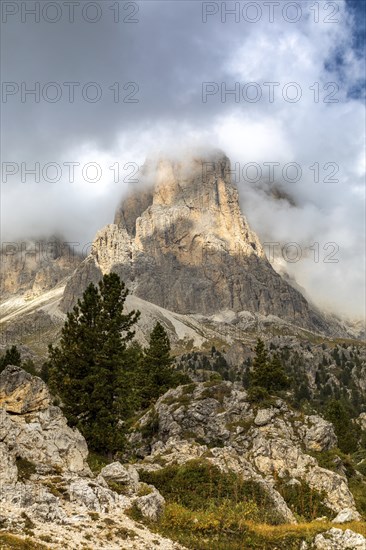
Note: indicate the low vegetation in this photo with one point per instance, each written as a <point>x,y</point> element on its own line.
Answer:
<point>200,486</point>
<point>209,509</point>
<point>306,503</point>
<point>25,468</point>
<point>13,542</point>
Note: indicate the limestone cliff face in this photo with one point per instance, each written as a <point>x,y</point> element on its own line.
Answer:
<point>180,241</point>
<point>33,267</point>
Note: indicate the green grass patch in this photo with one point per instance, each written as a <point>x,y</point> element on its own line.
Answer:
<point>198,485</point>
<point>358,489</point>
<point>206,509</point>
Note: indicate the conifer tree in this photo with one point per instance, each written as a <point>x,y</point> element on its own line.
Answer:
<point>11,357</point>
<point>348,432</point>
<point>278,379</point>
<point>267,374</point>
<point>88,370</point>
<point>156,374</point>
<point>259,374</point>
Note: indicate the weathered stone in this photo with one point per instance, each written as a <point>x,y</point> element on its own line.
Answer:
<point>126,476</point>
<point>44,438</point>
<point>270,442</point>
<point>50,491</point>
<point>264,416</point>
<point>152,505</point>
<point>318,434</point>
<point>47,508</point>
<point>95,497</point>
<point>8,469</point>
<point>20,392</point>
<point>347,515</point>
<point>336,539</point>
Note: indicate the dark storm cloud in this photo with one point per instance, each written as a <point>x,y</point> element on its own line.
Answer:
<point>164,59</point>
<point>167,54</point>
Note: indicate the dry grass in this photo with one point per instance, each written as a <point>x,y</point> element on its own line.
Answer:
<point>13,542</point>
<point>303,529</point>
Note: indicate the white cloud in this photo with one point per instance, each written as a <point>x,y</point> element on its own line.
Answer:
<point>170,53</point>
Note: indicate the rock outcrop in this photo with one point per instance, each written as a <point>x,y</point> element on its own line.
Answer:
<point>180,241</point>
<point>336,539</point>
<point>21,392</point>
<point>47,490</point>
<point>266,444</point>
<point>35,430</point>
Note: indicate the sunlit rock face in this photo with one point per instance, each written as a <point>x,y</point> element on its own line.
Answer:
<point>180,240</point>
<point>31,267</point>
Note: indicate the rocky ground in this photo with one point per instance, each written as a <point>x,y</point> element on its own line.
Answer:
<point>48,491</point>
<point>50,495</point>
<point>217,421</point>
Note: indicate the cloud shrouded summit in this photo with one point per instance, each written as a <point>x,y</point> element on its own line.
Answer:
<point>166,57</point>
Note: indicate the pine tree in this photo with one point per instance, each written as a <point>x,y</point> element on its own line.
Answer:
<point>267,374</point>
<point>259,373</point>
<point>348,432</point>
<point>11,357</point>
<point>88,370</point>
<point>278,379</point>
<point>156,374</point>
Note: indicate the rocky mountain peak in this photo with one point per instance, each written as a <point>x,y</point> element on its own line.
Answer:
<point>180,241</point>
<point>191,206</point>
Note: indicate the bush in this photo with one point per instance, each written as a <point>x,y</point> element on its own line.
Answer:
<point>348,433</point>
<point>358,489</point>
<point>25,468</point>
<point>151,427</point>
<point>215,390</point>
<point>361,467</point>
<point>256,394</point>
<point>96,462</point>
<point>303,500</point>
<point>199,485</point>
<point>13,542</point>
<point>11,357</point>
